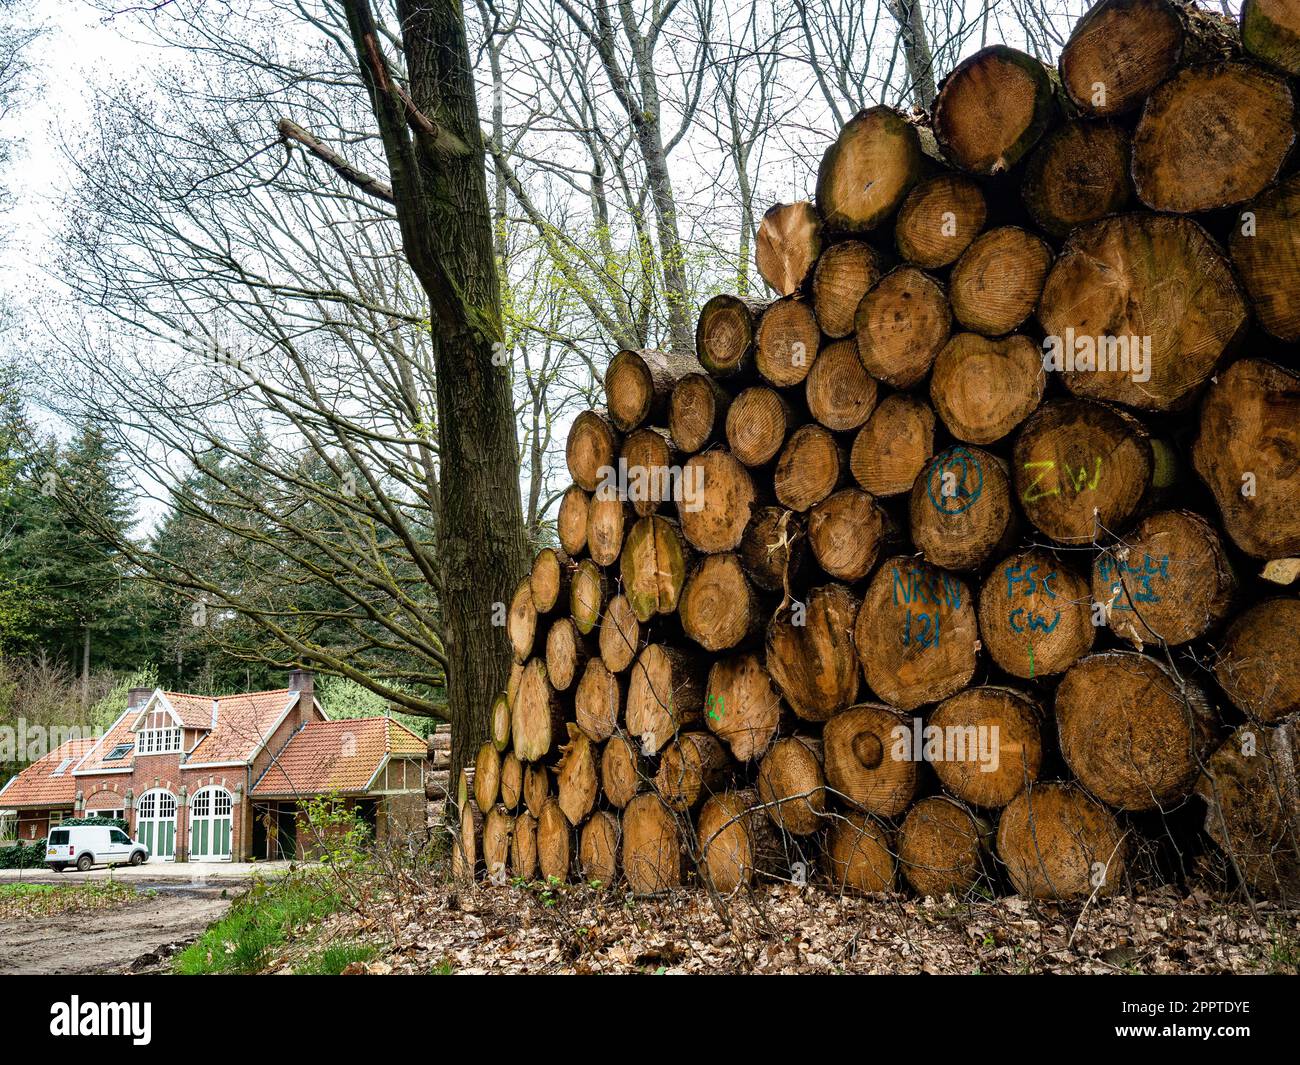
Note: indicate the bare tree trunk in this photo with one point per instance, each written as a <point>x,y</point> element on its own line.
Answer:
<point>433,143</point>
<point>916,49</point>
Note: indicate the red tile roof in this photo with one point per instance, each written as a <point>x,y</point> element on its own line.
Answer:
<point>244,723</point>
<point>38,786</point>
<point>336,756</point>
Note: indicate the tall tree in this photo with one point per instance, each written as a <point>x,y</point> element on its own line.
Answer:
<point>435,151</point>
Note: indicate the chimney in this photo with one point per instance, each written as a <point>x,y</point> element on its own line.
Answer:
<point>303,680</point>
<point>137,697</point>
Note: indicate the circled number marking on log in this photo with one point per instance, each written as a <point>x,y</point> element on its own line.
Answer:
<point>953,468</point>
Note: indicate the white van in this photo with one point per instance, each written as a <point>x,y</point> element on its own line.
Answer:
<point>88,845</point>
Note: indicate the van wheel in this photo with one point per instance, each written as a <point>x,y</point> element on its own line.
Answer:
<point>137,858</point>
<point>85,862</point>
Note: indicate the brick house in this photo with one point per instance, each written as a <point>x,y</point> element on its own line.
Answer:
<point>219,779</point>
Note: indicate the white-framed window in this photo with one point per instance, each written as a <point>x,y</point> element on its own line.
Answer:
<point>158,741</point>
<point>119,815</point>
<point>56,817</point>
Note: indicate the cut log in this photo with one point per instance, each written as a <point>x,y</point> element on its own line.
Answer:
<point>577,776</point>
<point>842,277</point>
<point>587,596</point>
<point>1211,136</point>
<point>724,335</point>
<point>773,548</point>
<point>1270,31</point>
<point>1078,174</point>
<point>598,700</point>
<point>939,219</point>
<point>716,501</point>
<point>549,580</point>
<point>693,767</point>
<point>1257,665</point>
<point>591,449</point>
<point>653,566</point>
<point>997,281</point>
<point>1012,748</point>
<point>788,243</point>
<point>845,532</point>
<point>1082,469</point>
<point>466,858</point>
<point>897,441</point>
<point>536,723</point>
<point>810,652</point>
<point>1119,52</point>
<point>537,788</point>
<point>792,785</point>
<point>487,777</point>
<point>786,341</point>
<point>498,827</point>
<point>865,174</point>
<point>598,845</point>
<point>869,760</point>
<point>992,109</point>
<point>757,424</point>
<point>916,634</point>
<point>1168,581</point>
<point>1248,452</point>
<point>620,635</point>
<point>571,521</point>
<point>664,695</point>
<point>741,707</point>
<point>1132,732</point>
<point>567,652</point>
<point>960,510</point>
<point>638,384</point>
<point>652,856</point>
<point>512,781</point>
<point>1138,309</point>
<point>737,843</point>
<point>983,389</point>
<point>839,391</point>
<point>523,847</point>
<point>697,411</point>
<point>1058,843</point>
<point>718,607</point>
<point>860,855</point>
<point>608,518</point>
<point>1265,247</point>
<point>1035,615</point>
<point>521,620</point>
<point>1253,806</point>
<point>810,467</point>
<point>901,325</point>
<point>499,719</point>
<point>647,459</point>
<point>554,843</point>
<point>940,848</point>
<point>624,771</point>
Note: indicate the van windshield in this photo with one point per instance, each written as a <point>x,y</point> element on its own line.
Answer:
<point>59,837</point>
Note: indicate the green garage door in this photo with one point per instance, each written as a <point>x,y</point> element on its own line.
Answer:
<point>155,823</point>
<point>210,825</point>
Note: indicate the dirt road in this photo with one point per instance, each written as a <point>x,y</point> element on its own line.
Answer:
<point>110,940</point>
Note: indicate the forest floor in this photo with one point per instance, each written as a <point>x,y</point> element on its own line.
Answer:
<point>538,928</point>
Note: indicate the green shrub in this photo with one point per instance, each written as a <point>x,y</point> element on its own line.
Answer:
<point>21,855</point>
<point>106,822</point>
<point>333,960</point>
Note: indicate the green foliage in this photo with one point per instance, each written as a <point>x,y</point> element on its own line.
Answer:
<point>21,855</point>
<point>343,697</point>
<point>337,830</point>
<point>110,707</point>
<point>107,822</point>
<point>259,922</point>
<point>334,959</point>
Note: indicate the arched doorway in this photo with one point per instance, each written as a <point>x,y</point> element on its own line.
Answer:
<point>210,825</point>
<point>155,823</point>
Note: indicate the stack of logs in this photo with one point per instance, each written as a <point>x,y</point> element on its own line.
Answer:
<point>437,778</point>
<point>966,560</point>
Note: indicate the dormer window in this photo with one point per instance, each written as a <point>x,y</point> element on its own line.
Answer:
<point>119,752</point>
<point>158,741</point>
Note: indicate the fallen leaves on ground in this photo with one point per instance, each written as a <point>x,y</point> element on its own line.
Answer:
<point>784,929</point>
